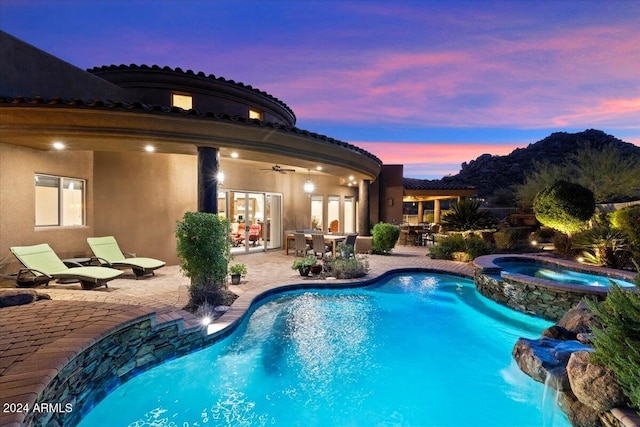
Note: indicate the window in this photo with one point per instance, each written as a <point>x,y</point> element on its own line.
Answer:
<point>316,212</point>
<point>255,114</point>
<point>333,213</point>
<point>349,215</point>
<point>182,100</point>
<point>59,201</point>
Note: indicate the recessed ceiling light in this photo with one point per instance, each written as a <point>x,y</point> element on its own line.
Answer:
<point>318,168</point>
<point>149,148</point>
<point>58,145</point>
<point>234,155</point>
<point>351,178</point>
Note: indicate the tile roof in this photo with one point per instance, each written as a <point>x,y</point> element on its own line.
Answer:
<point>179,70</point>
<point>146,108</point>
<point>436,184</point>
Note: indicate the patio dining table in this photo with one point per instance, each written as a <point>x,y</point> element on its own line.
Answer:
<point>333,239</point>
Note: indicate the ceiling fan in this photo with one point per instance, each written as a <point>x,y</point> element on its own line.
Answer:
<point>278,168</point>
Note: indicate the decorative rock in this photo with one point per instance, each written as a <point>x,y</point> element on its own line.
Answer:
<point>594,385</point>
<point>586,338</point>
<point>545,359</point>
<point>559,333</point>
<point>13,297</point>
<point>579,414</point>
<point>578,319</point>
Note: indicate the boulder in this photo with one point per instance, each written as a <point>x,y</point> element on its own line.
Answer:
<point>578,319</point>
<point>579,414</point>
<point>545,359</point>
<point>13,297</point>
<point>594,385</point>
<point>559,333</point>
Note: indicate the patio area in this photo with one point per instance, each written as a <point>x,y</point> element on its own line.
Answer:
<point>37,340</point>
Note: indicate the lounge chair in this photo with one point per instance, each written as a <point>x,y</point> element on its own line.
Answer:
<point>254,234</point>
<point>108,253</point>
<point>42,265</point>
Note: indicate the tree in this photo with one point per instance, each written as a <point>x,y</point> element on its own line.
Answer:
<point>564,206</point>
<point>466,215</point>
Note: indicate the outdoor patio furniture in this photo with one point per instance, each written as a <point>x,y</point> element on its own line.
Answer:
<point>41,260</point>
<point>300,244</point>
<point>320,247</point>
<point>351,241</point>
<point>107,252</point>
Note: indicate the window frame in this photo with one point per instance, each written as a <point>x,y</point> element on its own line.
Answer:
<point>62,182</point>
<point>183,94</point>
<point>258,113</point>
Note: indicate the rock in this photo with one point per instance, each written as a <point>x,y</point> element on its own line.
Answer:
<point>594,385</point>
<point>545,359</point>
<point>13,297</point>
<point>559,333</point>
<point>579,414</point>
<point>586,338</point>
<point>578,319</point>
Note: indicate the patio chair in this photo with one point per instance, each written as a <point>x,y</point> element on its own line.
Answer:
<point>238,236</point>
<point>107,252</point>
<point>42,263</point>
<point>300,244</point>
<point>254,234</point>
<point>350,242</point>
<point>320,248</point>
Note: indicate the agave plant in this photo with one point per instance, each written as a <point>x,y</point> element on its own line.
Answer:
<point>466,215</point>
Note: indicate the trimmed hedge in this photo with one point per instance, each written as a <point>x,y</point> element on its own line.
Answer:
<point>564,206</point>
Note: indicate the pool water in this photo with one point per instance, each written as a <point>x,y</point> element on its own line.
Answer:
<point>558,273</point>
<point>412,350</point>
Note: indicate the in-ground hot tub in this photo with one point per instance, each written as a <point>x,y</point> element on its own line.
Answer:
<point>541,285</point>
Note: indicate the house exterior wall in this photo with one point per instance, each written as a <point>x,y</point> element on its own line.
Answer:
<point>18,166</point>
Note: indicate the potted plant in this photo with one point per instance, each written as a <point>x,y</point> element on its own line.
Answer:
<point>237,271</point>
<point>303,265</point>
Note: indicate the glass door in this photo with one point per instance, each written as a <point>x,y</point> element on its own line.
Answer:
<point>273,222</point>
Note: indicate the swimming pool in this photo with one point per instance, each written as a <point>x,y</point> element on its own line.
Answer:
<point>412,350</point>
<point>550,271</point>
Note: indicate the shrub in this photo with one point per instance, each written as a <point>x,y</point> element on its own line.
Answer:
<point>467,215</point>
<point>385,237</point>
<point>604,246</point>
<point>452,247</point>
<point>203,247</point>
<point>505,239</point>
<point>563,244</point>
<point>627,220</point>
<point>348,268</point>
<point>564,206</point>
<point>617,343</point>
<point>475,246</point>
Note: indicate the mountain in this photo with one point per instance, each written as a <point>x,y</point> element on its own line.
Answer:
<point>490,173</point>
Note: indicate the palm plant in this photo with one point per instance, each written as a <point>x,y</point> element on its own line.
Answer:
<point>466,215</point>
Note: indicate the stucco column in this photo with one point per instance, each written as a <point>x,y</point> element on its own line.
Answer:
<point>364,227</point>
<point>436,211</point>
<point>208,168</point>
<point>420,212</point>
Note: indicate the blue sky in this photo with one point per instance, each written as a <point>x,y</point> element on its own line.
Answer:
<point>429,84</point>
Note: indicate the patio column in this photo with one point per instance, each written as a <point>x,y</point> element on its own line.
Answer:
<point>364,226</point>
<point>436,211</point>
<point>420,212</point>
<point>208,168</point>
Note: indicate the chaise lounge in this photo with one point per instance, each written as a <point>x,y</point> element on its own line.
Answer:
<point>43,265</point>
<point>107,252</point>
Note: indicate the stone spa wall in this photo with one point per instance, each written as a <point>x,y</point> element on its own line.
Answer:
<point>111,361</point>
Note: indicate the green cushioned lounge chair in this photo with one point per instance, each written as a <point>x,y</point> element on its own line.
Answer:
<point>42,265</point>
<point>108,252</point>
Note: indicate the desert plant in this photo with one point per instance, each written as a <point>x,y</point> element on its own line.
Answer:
<point>627,220</point>
<point>604,246</point>
<point>467,215</point>
<point>505,239</point>
<point>348,268</point>
<point>203,246</point>
<point>385,237</point>
<point>564,206</point>
<point>617,342</point>
<point>475,246</point>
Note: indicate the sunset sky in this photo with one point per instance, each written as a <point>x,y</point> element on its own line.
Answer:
<point>428,84</point>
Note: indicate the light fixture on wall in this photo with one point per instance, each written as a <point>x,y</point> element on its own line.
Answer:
<point>220,177</point>
<point>308,184</point>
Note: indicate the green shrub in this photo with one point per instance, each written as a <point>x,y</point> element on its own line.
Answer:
<point>203,246</point>
<point>604,246</point>
<point>348,268</point>
<point>475,246</point>
<point>505,239</point>
<point>563,244</point>
<point>617,343</point>
<point>385,237</point>
<point>627,220</point>
<point>466,215</point>
<point>564,206</point>
<point>445,248</point>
